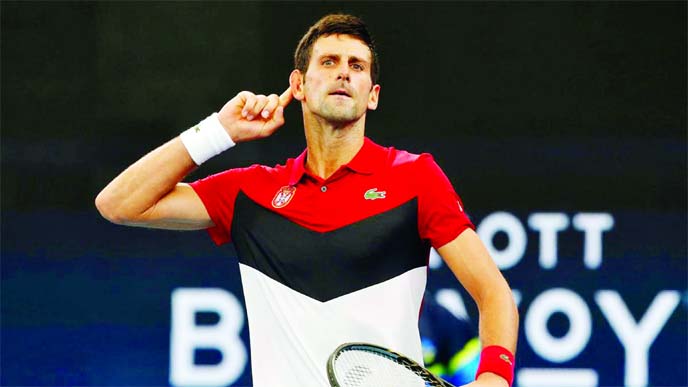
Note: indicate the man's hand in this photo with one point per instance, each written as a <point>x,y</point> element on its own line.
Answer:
<point>488,379</point>
<point>248,116</point>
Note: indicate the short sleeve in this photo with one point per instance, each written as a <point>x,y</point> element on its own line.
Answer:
<point>218,193</point>
<point>441,214</point>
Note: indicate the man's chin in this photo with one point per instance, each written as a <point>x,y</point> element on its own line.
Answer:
<point>342,121</point>
<point>341,117</point>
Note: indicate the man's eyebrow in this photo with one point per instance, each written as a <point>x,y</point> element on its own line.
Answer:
<point>352,58</point>
<point>355,59</point>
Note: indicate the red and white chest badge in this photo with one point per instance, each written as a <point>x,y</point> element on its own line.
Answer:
<point>283,196</point>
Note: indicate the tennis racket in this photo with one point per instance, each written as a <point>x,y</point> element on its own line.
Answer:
<point>368,365</point>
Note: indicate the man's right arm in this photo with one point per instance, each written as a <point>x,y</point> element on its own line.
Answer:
<point>149,193</point>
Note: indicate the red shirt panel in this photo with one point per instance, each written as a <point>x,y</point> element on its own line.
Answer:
<point>377,179</point>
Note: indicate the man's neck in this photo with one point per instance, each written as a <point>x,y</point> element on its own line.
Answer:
<point>330,147</point>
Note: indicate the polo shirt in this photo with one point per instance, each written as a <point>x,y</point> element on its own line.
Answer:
<point>329,261</point>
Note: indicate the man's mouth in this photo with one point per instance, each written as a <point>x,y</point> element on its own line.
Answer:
<point>341,92</point>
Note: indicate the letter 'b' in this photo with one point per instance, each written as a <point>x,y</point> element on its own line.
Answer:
<point>223,336</point>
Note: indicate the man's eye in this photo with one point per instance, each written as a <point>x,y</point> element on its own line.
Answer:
<point>357,66</point>
<point>328,62</point>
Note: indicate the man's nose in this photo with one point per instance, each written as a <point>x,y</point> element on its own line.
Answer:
<point>343,73</point>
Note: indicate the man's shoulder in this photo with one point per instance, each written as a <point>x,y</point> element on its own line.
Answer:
<point>262,169</point>
<point>251,175</point>
<point>402,158</point>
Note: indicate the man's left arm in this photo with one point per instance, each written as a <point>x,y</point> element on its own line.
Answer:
<point>472,265</point>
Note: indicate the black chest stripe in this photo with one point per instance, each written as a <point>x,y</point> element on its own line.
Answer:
<point>327,265</point>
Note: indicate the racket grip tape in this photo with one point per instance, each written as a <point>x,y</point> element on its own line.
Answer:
<point>498,360</point>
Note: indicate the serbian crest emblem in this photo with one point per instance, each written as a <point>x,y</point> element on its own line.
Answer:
<point>283,196</point>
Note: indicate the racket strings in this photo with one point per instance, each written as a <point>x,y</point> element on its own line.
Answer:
<point>360,368</point>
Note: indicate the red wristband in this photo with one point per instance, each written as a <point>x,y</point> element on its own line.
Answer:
<point>497,360</point>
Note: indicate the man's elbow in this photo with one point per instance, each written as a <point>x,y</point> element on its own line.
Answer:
<point>501,297</point>
<point>110,209</point>
<point>510,301</point>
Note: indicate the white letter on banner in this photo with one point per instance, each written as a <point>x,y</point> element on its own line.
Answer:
<point>593,224</point>
<point>223,336</point>
<point>504,221</point>
<point>637,338</point>
<point>451,300</point>
<point>548,224</point>
<point>580,325</point>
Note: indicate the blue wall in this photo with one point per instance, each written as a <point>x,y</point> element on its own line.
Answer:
<point>85,302</point>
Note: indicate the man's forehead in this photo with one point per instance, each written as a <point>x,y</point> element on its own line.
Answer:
<point>341,45</point>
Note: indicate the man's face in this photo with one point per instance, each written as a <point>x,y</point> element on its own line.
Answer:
<point>337,85</point>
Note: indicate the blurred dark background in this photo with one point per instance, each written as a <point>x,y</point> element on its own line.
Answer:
<point>539,100</point>
<point>527,106</point>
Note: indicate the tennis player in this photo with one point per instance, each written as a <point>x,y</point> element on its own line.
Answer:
<point>333,244</point>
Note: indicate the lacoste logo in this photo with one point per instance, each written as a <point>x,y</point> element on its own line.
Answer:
<point>197,129</point>
<point>283,196</point>
<point>373,194</point>
<point>505,358</point>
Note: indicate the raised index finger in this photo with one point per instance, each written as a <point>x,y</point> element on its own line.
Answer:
<point>285,97</point>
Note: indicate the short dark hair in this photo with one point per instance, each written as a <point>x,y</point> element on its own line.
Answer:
<point>336,24</point>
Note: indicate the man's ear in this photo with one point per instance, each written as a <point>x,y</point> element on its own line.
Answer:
<point>296,83</point>
<point>373,97</point>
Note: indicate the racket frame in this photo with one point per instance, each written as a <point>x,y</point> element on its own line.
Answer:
<point>395,356</point>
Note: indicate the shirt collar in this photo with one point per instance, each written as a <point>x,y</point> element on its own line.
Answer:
<point>298,168</point>
<point>369,159</point>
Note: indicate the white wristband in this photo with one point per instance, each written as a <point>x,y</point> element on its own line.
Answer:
<point>207,139</point>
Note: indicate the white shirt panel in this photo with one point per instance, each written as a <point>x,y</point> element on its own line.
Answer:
<point>293,335</point>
